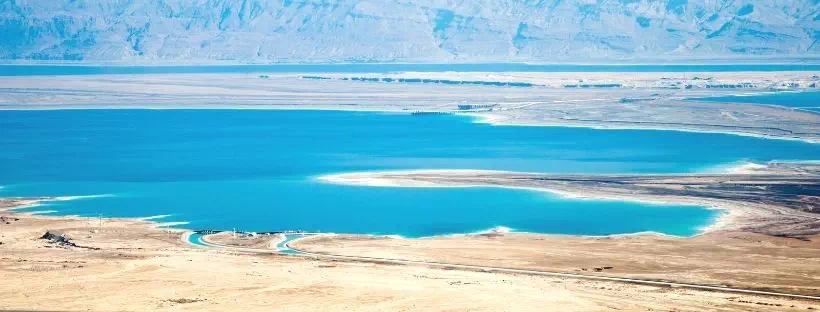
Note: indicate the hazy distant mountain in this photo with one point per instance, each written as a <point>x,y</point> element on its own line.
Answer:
<point>406,30</point>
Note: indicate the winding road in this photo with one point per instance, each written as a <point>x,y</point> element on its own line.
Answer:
<point>285,248</point>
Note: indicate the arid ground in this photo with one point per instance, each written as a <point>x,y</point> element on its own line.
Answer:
<point>768,241</point>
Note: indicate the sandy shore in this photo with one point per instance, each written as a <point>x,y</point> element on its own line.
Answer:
<point>720,258</point>
<point>507,119</point>
<point>759,198</point>
<point>767,240</point>
<point>764,240</point>
<point>734,214</point>
<point>132,265</point>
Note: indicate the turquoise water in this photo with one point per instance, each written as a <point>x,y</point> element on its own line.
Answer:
<point>283,245</point>
<point>36,70</point>
<point>809,100</point>
<point>255,170</point>
<point>196,239</point>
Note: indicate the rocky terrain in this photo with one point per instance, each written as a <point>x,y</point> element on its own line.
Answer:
<point>427,30</point>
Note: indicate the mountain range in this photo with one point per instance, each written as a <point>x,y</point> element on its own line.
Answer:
<point>294,31</point>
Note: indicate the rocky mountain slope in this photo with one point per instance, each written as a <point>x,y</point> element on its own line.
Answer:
<point>404,30</point>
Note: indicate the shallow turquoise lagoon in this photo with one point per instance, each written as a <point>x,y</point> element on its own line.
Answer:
<point>256,170</point>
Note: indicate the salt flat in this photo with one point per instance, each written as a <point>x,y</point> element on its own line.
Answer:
<point>641,100</point>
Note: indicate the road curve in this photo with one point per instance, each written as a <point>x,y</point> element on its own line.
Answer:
<point>305,253</point>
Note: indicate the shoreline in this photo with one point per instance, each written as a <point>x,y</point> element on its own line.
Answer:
<point>655,101</point>
<point>500,120</point>
<point>729,213</point>
<point>31,202</point>
<point>759,244</point>
<point>24,202</point>
<point>737,213</point>
<point>131,249</point>
<point>490,118</point>
<point>13,205</point>
<point>185,233</point>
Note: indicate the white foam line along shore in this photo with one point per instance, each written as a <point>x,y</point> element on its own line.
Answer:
<point>67,198</point>
<point>172,224</point>
<point>155,217</point>
<point>730,212</point>
<point>495,120</point>
<point>369,178</point>
<point>39,212</point>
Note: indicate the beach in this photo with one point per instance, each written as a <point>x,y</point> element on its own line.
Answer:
<point>346,155</point>
<point>749,194</point>
<point>464,272</point>
<point>160,271</point>
<point>758,253</point>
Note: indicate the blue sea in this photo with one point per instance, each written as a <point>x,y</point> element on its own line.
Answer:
<point>255,170</point>
<point>49,69</point>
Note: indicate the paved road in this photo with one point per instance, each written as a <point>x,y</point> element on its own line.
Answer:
<point>300,252</point>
